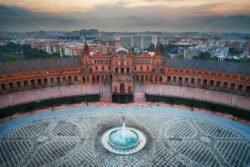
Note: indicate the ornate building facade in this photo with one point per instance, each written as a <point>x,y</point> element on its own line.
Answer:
<point>123,70</point>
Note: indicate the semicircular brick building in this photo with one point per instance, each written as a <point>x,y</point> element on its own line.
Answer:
<point>125,74</point>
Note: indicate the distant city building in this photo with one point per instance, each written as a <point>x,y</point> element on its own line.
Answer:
<point>108,46</point>
<point>192,52</point>
<point>126,41</point>
<point>163,39</point>
<point>89,35</point>
<point>183,51</point>
<point>138,41</point>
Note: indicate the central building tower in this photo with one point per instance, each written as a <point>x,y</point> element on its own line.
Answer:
<point>122,80</point>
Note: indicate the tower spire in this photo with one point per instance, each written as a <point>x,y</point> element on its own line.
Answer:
<point>158,49</point>
<point>86,49</point>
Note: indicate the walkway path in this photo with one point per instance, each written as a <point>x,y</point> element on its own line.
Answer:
<point>63,91</point>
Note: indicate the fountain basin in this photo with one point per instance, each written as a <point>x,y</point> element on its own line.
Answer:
<point>129,140</point>
<point>114,141</point>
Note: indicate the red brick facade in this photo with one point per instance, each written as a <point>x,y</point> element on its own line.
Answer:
<point>123,70</point>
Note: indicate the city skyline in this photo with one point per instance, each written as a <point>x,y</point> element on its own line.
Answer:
<point>127,15</point>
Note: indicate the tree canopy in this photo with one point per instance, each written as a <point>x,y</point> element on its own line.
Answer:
<point>13,51</point>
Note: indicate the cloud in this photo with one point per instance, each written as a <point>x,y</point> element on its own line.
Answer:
<point>116,18</point>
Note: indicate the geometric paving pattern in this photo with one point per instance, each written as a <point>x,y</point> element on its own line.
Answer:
<point>171,141</point>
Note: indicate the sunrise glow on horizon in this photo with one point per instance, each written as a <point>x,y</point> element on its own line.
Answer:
<point>128,15</point>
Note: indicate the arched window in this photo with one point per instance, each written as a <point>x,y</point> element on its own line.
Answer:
<point>3,86</point>
<point>218,84</point>
<point>247,88</point>
<point>129,89</point>
<point>25,83</point>
<point>39,81</point>
<point>156,78</point>
<point>32,82</point>
<point>225,84</point>
<point>151,78</point>
<point>232,86</point>
<point>169,78</point>
<point>18,84</point>
<point>174,78</point>
<point>199,82</point>
<point>180,80</point>
<point>51,80</point>
<point>142,78</point>
<point>211,83</point>
<point>240,87</point>
<point>58,79</point>
<point>122,88</point>
<point>115,89</point>
<point>192,80</point>
<point>137,78</point>
<point>160,79</point>
<point>204,82</point>
<point>45,81</point>
<point>11,85</point>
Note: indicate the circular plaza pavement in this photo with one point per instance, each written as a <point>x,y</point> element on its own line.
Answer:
<point>176,137</point>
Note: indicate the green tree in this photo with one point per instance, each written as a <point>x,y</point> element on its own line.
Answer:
<point>165,54</point>
<point>204,56</point>
<point>132,50</point>
<point>151,48</point>
<point>13,51</point>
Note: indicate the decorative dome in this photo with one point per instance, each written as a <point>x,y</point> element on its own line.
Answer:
<point>121,49</point>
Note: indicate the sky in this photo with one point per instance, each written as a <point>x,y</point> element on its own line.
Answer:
<point>126,15</point>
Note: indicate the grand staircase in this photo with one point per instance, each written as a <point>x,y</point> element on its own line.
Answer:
<point>106,95</point>
<point>139,95</point>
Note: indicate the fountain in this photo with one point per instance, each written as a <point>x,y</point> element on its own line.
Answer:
<point>123,140</point>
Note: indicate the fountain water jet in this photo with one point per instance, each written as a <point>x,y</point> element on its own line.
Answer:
<point>123,128</point>
<point>123,140</point>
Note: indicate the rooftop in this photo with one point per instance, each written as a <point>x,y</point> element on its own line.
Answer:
<point>37,64</point>
<point>220,66</point>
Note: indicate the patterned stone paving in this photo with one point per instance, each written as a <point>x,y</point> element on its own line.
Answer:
<point>172,141</point>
